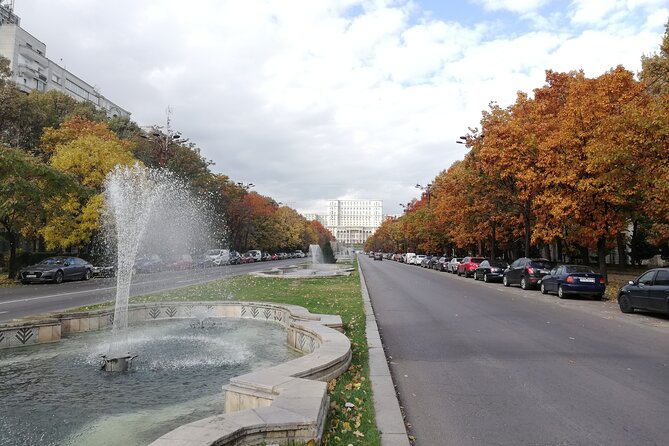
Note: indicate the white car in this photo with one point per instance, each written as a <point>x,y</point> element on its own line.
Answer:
<point>219,256</point>
<point>409,258</point>
<point>452,265</point>
<point>418,259</point>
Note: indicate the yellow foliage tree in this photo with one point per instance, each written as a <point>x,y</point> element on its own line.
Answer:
<point>87,151</point>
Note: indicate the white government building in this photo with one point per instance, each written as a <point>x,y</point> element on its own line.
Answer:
<point>352,222</point>
<point>32,70</point>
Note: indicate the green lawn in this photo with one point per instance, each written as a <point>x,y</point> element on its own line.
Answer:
<point>333,295</point>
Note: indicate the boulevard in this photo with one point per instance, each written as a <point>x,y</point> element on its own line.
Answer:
<point>481,364</point>
<point>27,300</point>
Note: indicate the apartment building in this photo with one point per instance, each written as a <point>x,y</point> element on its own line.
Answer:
<point>32,70</point>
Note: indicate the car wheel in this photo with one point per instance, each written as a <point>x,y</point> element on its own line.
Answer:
<point>523,283</point>
<point>58,278</point>
<point>543,289</point>
<point>561,294</point>
<point>625,304</point>
<point>87,275</point>
<point>476,276</point>
<point>505,281</point>
<point>485,277</point>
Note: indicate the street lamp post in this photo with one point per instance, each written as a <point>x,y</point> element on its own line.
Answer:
<point>426,191</point>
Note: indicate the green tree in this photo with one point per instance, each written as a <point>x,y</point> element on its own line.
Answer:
<point>27,183</point>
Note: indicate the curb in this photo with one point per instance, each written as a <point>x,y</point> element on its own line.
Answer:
<point>389,420</point>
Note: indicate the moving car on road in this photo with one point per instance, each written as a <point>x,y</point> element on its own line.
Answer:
<point>573,279</point>
<point>649,292</point>
<point>57,270</point>
<point>378,256</point>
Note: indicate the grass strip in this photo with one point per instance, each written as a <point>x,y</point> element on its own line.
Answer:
<point>351,418</point>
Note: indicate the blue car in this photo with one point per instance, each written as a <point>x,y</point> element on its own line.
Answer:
<point>573,279</point>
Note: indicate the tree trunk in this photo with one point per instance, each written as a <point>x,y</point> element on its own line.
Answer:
<point>558,249</point>
<point>601,254</point>
<point>13,240</point>
<point>622,250</point>
<point>493,250</point>
<point>527,214</point>
<point>585,254</point>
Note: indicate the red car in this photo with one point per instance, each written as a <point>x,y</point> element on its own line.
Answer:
<point>468,265</point>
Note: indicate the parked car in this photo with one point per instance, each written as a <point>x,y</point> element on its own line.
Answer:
<point>183,261</point>
<point>650,291</point>
<point>57,269</point>
<point>526,272</point>
<point>409,258</point>
<point>246,258</point>
<point>104,271</point>
<point>265,257</point>
<point>573,279</point>
<point>490,270</point>
<point>441,264</point>
<point>203,261</point>
<point>235,258</point>
<point>255,254</point>
<point>299,254</point>
<point>434,260</point>
<point>148,264</point>
<point>452,266</point>
<point>219,256</point>
<point>468,265</point>
<point>425,262</point>
<point>378,256</point>
<point>418,259</point>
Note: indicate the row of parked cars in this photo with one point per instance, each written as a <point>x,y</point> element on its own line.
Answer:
<point>650,291</point>
<point>63,268</point>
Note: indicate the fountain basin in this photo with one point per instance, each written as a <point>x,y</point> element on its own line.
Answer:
<point>306,271</point>
<point>287,401</point>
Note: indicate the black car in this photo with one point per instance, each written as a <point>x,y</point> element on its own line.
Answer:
<point>490,270</point>
<point>57,270</point>
<point>573,279</point>
<point>649,292</point>
<point>526,272</point>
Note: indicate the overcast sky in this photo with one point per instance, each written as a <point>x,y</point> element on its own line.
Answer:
<point>317,99</point>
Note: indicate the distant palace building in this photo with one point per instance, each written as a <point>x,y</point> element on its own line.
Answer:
<point>32,70</point>
<point>352,222</point>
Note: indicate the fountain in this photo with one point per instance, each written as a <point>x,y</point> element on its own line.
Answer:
<point>145,208</point>
<point>316,255</point>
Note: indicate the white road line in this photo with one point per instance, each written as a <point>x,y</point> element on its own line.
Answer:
<point>28,299</point>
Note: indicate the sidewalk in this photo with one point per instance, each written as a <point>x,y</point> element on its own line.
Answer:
<point>389,418</point>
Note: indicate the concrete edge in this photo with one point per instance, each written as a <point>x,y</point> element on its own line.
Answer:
<point>389,419</point>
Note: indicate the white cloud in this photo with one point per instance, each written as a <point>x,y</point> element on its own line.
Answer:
<point>519,6</point>
<point>311,100</point>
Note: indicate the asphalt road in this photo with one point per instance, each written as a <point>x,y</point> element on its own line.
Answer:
<point>481,364</point>
<point>25,300</point>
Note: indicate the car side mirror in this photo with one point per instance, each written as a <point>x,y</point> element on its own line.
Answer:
<point>631,282</point>
<point>66,264</point>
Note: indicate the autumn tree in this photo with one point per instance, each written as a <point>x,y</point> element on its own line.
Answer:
<point>88,151</point>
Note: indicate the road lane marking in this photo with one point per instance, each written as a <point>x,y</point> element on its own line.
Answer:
<point>28,299</point>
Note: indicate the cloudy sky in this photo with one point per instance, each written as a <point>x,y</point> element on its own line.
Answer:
<point>317,99</point>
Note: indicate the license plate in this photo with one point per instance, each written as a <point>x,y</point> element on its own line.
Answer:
<point>30,276</point>
<point>587,279</point>
<point>544,271</point>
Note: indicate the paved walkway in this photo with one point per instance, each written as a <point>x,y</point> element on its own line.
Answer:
<point>389,418</point>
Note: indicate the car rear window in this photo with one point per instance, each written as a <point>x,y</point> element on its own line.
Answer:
<point>580,269</point>
<point>541,264</point>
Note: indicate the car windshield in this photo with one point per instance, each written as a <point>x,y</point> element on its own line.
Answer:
<point>499,264</point>
<point>52,261</point>
<point>542,264</point>
<point>477,259</point>
<point>579,269</point>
